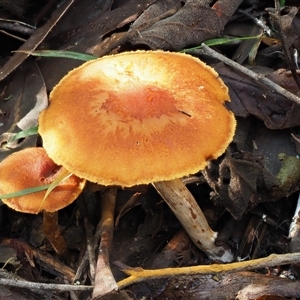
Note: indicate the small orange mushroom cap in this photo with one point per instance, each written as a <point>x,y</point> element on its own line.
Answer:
<point>137,117</point>
<point>30,168</point>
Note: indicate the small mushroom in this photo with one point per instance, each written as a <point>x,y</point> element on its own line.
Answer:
<point>138,118</point>
<point>30,168</point>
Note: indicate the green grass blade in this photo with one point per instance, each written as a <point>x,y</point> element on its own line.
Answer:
<point>64,175</point>
<point>25,192</point>
<point>60,54</point>
<point>25,133</point>
<point>49,187</point>
<point>222,41</point>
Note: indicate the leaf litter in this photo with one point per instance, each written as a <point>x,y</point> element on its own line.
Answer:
<point>254,186</point>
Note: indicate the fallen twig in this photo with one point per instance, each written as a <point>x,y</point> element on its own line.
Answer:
<point>257,77</point>
<point>140,274</point>
<point>44,286</point>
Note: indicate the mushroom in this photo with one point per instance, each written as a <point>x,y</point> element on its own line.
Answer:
<point>30,168</point>
<point>138,118</point>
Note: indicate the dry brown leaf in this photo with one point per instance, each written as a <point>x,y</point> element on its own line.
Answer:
<point>92,23</point>
<point>251,98</point>
<point>285,79</point>
<point>195,22</point>
<point>241,180</point>
<point>32,43</point>
<point>168,25</point>
<point>24,93</point>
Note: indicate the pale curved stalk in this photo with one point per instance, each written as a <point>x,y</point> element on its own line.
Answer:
<point>189,214</point>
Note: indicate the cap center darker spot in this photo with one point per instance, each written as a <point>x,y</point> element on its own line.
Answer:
<point>48,172</point>
<point>141,103</point>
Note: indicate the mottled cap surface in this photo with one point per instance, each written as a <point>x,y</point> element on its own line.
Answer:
<point>137,117</point>
<point>30,168</point>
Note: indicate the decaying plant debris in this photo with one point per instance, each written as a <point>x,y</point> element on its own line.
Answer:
<point>249,195</point>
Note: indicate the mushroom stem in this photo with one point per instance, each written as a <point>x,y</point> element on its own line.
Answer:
<point>104,280</point>
<point>189,214</point>
<point>53,233</point>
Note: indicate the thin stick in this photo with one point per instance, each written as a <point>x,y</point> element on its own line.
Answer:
<point>257,77</point>
<point>85,259</point>
<point>89,237</point>
<point>294,232</point>
<point>104,280</point>
<point>43,286</point>
<point>82,267</point>
<point>140,274</point>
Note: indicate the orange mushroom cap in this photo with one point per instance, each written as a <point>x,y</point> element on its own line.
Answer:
<point>137,117</point>
<point>30,168</point>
